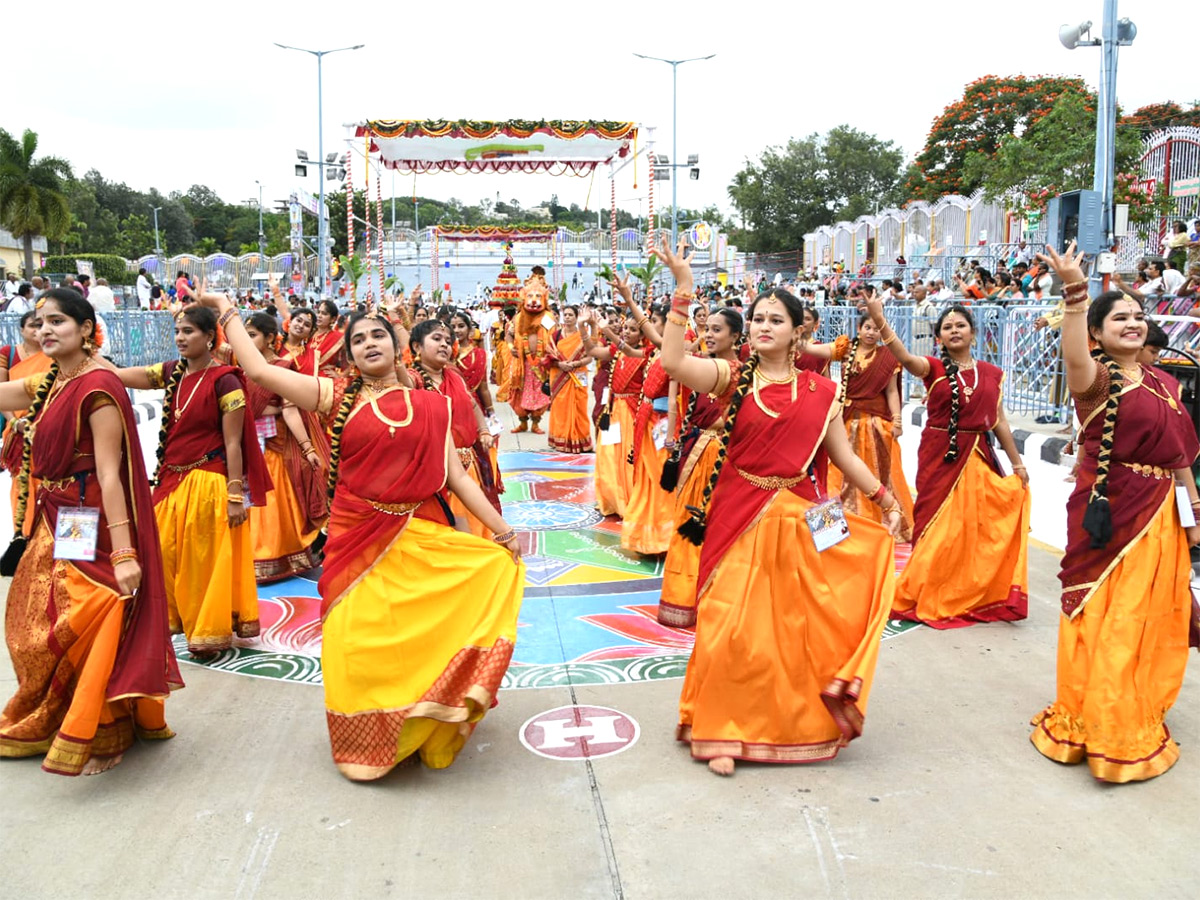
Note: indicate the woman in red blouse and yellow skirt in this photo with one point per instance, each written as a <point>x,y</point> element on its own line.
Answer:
<point>970,522</point>
<point>691,466</point>
<point>1128,614</point>
<point>210,471</point>
<point>17,362</point>
<point>471,364</point>
<point>87,635</point>
<point>285,527</point>
<point>413,650</point>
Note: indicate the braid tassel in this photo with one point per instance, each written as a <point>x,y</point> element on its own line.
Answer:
<point>165,426</point>
<point>669,480</point>
<point>1097,519</point>
<point>605,419</point>
<point>952,426</point>
<point>16,549</point>
<point>847,364</point>
<point>695,526</point>
<point>335,430</point>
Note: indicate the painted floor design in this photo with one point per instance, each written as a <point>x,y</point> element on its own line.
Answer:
<point>588,614</point>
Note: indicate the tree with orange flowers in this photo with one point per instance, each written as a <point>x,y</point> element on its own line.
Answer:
<point>990,109</point>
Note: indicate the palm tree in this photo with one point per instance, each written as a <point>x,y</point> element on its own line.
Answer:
<point>31,193</point>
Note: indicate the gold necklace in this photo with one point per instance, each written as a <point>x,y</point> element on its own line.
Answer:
<point>758,399</point>
<point>1133,374</point>
<point>179,410</point>
<point>1165,395</point>
<point>767,379</point>
<point>392,424</point>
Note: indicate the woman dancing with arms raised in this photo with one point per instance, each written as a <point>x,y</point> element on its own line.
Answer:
<point>1126,601</point>
<point>787,634</point>
<point>413,650</point>
<point>970,522</point>
<point>88,636</point>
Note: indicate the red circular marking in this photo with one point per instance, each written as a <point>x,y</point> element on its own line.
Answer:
<point>579,732</point>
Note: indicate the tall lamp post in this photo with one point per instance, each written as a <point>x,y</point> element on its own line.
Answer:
<point>322,223</point>
<point>157,246</point>
<point>1114,33</point>
<point>262,238</point>
<point>674,64</point>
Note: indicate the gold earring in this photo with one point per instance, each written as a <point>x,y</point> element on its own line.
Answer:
<point>88,347</point>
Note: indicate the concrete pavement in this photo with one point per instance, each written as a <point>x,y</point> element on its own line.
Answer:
<point>943,796</point>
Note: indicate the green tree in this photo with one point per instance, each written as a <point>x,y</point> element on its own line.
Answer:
<point>813,181</point>
<point>32,200</point>
<point>990,109</point>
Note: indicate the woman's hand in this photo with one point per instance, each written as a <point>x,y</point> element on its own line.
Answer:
<point>129,577</point>
<point>486,440</point>
<point>313,459</point>
<point>1067,266</point>
<point>212,301</point>
<point>1193,535</point>
<point>237,513</point>
<point>679,262</point>
<point>873,307</point>
<point>892,521</point>
<point>513,547</point>
<point>620,284</point>
<point>1021,472</point>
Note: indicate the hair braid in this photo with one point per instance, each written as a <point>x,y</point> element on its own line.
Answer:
<point>35,407</point>
<point>641,399</point>
<point>427,379</point>
<point>847,365</point>
<point>695,525</point>
<point>952,381</point>
<point>172,388</point>
<point>335,431</point>
<point>1097,519</point>
<point>605,419</point>
<point>669,479</point>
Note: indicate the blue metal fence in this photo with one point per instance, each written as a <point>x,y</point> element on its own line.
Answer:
<point>132,337</point>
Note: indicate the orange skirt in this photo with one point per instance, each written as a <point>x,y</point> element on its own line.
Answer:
<point>570,425</point>
<point>501,363</point>
<point>677,605</point>
<point>281,545</point>
<point>970,564</point>
<point>873,442</point>
<point>1121,662</point>
<point>614,476</point>
<point>63,663</point>
<point>650,513</point>
<point>786,640</point>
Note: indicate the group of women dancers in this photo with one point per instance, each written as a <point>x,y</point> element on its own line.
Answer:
<point>774,492</point>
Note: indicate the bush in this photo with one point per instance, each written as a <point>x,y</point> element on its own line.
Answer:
<point>105,265</point>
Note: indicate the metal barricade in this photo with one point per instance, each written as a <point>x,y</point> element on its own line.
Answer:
<point>132,337</point>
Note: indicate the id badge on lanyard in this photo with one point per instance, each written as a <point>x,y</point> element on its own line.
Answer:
<point>827,520</point>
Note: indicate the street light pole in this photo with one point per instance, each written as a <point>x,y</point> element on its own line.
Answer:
<point>674,64</point>
<point>322,218</point>
<point>262,239</point>
<point>157,246</point>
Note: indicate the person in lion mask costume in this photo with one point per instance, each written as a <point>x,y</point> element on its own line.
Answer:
<point>528,395</point>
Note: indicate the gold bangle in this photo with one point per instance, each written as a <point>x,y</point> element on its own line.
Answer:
<point>1074,285</point>
<point>505,537</point>
<point>674,318</point>
<point>684,295</point>
<point>236,498</point>
<point>226,316</point>
<point>112,525</point>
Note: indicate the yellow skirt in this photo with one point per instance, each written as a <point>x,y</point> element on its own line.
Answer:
<point>786,640</point>
<point>871,438</point>
<point>677,605</point>
<point>1121,662</point>
<point>414,653</point>
<point>650,511</point>
<point>208,566</point>
<point>63,664</point>
<point>277,529</point>
<point>614,476</point>
<point>971,563</point>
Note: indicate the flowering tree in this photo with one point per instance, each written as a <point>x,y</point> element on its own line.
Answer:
<point>990,109</point>
<point>1154,116</point>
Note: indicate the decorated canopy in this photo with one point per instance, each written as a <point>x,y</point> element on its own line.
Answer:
<point>519,233</point>
<point>557,147</point>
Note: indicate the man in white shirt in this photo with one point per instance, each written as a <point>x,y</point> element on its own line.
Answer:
<point>941,293</point>
<point>143,289</point>
<point>1162,280</point>
<point>10,286</point>
<point>23,302</point>
<point>101,297</point>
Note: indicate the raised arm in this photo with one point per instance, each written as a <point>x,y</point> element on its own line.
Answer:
<point>917,365</point>
<point>1081,368</point>
<point>698,373</point>
<point>601,353</point>
<point>621,286</point>
<point>303,390</point>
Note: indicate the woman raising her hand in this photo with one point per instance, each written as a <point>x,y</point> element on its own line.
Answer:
<point>791,603</point>
<point>413,650</point>
<point>1126,600</point>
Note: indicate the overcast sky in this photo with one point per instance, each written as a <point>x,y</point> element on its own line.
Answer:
<point>168,95</point>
